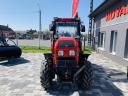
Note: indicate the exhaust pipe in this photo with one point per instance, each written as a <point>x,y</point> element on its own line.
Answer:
<point>78,72</point>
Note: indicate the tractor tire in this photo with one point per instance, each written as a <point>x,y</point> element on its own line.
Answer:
<point>45,75</point>
<point>86,76</point>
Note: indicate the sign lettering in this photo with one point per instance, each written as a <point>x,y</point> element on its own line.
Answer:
<point>123,10</point>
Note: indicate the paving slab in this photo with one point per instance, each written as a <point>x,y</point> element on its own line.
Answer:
<point>22,78</point>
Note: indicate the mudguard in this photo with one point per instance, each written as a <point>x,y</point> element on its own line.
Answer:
<point>47,55</point>
<point>85,56</point>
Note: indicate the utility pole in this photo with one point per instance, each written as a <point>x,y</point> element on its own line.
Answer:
<point>40,28</point>
<point>90,25</point>
<point>93,34</point>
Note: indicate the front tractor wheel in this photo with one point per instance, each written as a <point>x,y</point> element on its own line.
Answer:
<point>86,76</point>
<point>45,76</point>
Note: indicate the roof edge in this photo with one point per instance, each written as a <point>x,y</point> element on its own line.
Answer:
<point>103,6</point>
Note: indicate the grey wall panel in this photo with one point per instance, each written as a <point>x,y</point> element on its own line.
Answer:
<point>120,24</point>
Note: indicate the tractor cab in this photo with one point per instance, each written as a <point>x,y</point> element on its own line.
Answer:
<point>67,27</point>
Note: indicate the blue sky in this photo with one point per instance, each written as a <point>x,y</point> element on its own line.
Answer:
<point>23,14</point>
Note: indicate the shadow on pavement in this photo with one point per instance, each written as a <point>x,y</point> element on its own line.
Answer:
<point>14,62</point>
<point>102,86</point>
<point>117,76</point>
<point>63,90</point>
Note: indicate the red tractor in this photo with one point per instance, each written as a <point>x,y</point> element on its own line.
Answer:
<point>67,59</point>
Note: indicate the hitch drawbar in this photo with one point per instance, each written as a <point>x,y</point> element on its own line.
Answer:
<point>78,72</point>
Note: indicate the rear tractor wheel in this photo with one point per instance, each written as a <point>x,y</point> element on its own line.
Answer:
<point>45,75</point>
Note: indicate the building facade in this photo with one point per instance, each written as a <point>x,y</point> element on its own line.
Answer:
<point>6,32</point>
<point>111,29</point>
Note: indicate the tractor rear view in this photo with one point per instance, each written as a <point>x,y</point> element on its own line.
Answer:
<point>67,59</point>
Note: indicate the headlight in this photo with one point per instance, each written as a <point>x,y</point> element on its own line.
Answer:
<point>60,53</point>
<point>72,52</point>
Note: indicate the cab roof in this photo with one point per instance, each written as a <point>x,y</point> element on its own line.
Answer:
<point>104,6</point>
<point>66,38</point>
<point>56,19</point>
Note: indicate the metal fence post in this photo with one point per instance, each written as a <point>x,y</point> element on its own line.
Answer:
<point>84,43</point>
<point>127,72</point>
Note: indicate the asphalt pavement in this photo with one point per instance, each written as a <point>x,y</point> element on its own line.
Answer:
<point>34,42</point>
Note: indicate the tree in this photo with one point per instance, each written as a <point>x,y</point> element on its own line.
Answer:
<point>31,33</point>
<point>47,34</point>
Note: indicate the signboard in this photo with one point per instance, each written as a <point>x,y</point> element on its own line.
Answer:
<point>118,12</point>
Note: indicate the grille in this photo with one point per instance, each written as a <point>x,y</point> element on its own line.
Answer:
<point>66,43</point>
<point>66,63</point>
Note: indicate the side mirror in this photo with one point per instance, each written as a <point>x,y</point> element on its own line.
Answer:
<point>51,27</point>
<point>82,28</point>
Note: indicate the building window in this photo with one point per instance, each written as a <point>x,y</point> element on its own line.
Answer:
<point>113,42</point>
<point>126,46</point>
<point>101,39</point>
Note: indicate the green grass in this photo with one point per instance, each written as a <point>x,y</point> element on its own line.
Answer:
<point>44,49</point>
<point>88,50</point>
<point>35,49</point>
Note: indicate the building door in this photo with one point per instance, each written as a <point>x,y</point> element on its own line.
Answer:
<point>113,41</point>
<point>126,46</point>
<point>101,39</point>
